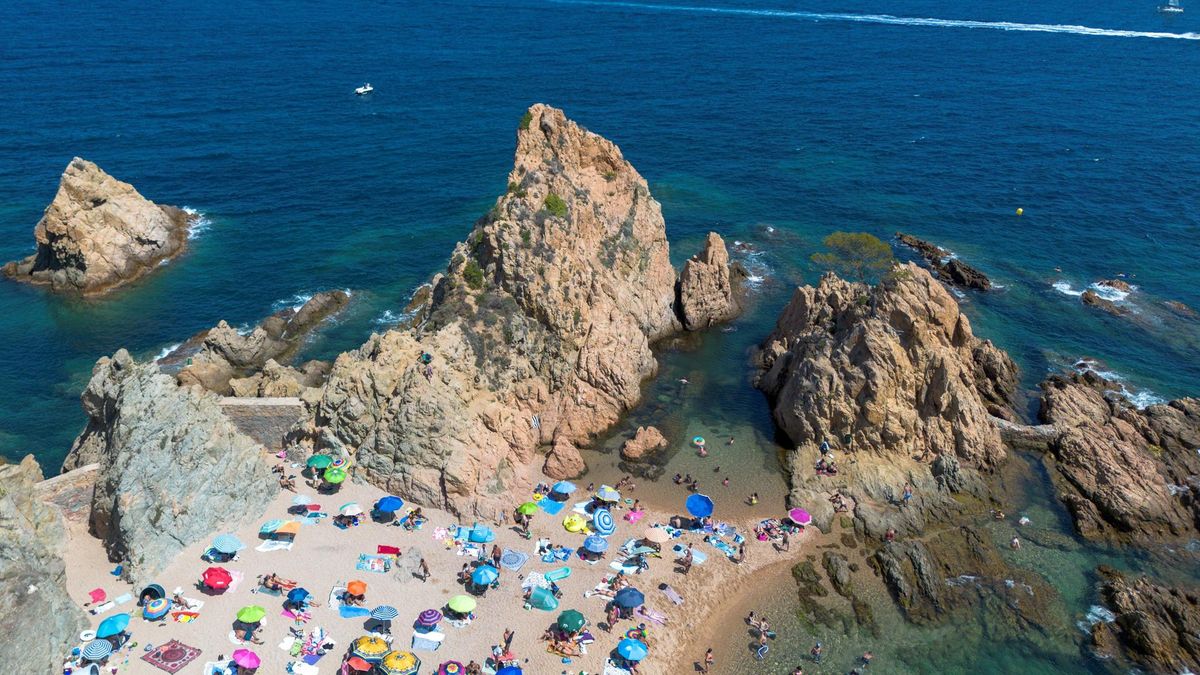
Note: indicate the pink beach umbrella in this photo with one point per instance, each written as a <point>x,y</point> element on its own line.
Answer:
<point>800,517</point>
<point>246,658</point>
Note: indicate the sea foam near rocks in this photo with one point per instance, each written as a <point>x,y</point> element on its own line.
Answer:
<point>198,223</point>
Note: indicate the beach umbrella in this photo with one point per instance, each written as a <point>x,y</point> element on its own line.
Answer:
<point>528,508</point>
<point>341,462</point>
<point>633,650</point>
<point>564,487</point>
<point>399,663</point>
<point>603,523</point>
<point>463,604</point>
<point>369,648</point>
<point>358,664</point>
<point>608,494</point>
<point>270,526</point>
<point>96,650</point>
<point>227,543</point>
<point>351,509</point>
<point>389,504</point>
<point>571,620</point>
<point>484,575</point>
<point>152,591</point>
<point>302,500</point>
<point>251,614</point>
<point>543,599</point>
<point>113,625</point>
<point>656,535</point>
<point>800,517</point>
<point>217,578</point>
<point>700,506</point>
<point>319,462</point>
<point>595,544</point>
<point>629,597</point>
<point>451,668</point>
<point>384,613</point>
<point>356,587</point>
<point>510,670</point>
<point>297,596</point>
<point>335,475</point>
<point>246,658</point>
<point>156,609</point>
<point>429,617</point>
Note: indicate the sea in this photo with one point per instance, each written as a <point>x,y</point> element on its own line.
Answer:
<point>774,123</point>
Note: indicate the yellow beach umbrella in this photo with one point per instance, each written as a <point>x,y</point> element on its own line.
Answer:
<point>370,648</point>
<point>399,663</point>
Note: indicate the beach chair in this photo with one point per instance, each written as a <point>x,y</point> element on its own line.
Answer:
<point>431,641</point>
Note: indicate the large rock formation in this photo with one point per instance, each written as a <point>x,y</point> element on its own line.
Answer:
<point>38,619</point>
<point>173,468</point>
<point>1158,626</point>
<point>947,267</point>
<point>894,374</point>
<point>646,440</point>
<point>708,286</point>
<point>215,357</point>
<point>539,330</point>
<point>99,233</point>
<point>1125,474</point>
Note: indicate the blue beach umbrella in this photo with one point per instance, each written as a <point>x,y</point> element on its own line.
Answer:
<point>608,494</point>
<point>700,506</point>
<point>389,504</point>
<point>227,543</point>
<point>510,670</point>
<point>298,595</point>
<point>595,544</point>
<point>603,523</point>
<point>113,625</point>
<point>629,598</point>
<point>96,650</point>
<point>564,487</point>
<point>384,613</point>
<point>633,650</point>
<point>270,526</point>
<point>485,574</point>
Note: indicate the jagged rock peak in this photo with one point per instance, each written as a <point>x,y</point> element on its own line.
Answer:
<point>99,233</point>
<point>708,286</point>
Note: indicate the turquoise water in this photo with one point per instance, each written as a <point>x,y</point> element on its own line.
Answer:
<point>773,123</point>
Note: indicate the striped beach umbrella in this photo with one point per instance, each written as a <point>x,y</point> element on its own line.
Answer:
<point>227,543</point>
<point>369,648</point>
<point>429,617</point>
<point>96,650</point>
<point>603,522</point>
<point>607,493</point>
<point>270,526</point>
<point>451,668</point>
<point>385,613</point>
<point>351,509</point>
<point>595,544</point>
<point>156,609</point>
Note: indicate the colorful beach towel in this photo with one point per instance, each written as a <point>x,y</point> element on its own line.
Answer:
<point>722,547</point>
<point>268,591</point>
<point>379,564</point>
<point>513,560</point>
<point>348,612</point>
<point>172,656</point>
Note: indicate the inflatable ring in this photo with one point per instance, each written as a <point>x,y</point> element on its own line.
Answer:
<point>698,441</point>
<point>574,523</point>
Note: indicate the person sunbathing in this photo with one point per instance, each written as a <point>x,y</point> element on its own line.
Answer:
<point>180,601</point>
<point>274,582</point>
<point>351,600</point>
<point>287,483</point>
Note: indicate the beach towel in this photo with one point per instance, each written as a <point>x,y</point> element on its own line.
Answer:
<point>470,550</point>
<point>103,607</point>
<point>184,616</point>
<point>581,508</point>
<point>620,566</point>
<point>295,616</point>
<point>349,612</point>
<point>302,668</point>
<point>287,643</point>
<point>551,507</point>
<point>379,564</point>
<point>335,596</point>
<point>672,595</point>
<point>634,516</point>
<point>722,547</point>
<point>215,668</point>
<point>387,550</point>
<point>440,533</point>
<point>122,599</point>
<point>431,641</point>
<point>611,669</point>
<point>651,615</point>
<point>268,591</point>
<point>513,560</point>
<point>97,595</point>
<point>236,578</point>
<point>698,557</point>
<point>274,545</point>
<point>172,656</point>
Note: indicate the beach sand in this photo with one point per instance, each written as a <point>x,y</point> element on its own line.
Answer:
<point>323,556</point>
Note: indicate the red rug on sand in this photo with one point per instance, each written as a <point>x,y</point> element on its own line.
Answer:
<point>172,656</point>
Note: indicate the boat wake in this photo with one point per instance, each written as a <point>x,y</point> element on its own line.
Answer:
<point>888,19</point>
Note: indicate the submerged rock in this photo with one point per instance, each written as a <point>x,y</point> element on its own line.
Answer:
<point>99,233</point>
<point>1158,626</point>
<point>645,441</point>
<point>948,268</point>
<point>1093,299</point>
<point>173,468</point>
<point>39,621</point>
<point>708,286</point>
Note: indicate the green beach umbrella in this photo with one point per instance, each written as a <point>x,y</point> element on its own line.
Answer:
<point>319,461</point>
<point>462,604</point>
<point>335,475</point>
<point>251,614</point>
<point>527,509</point>
<point>571,620</point>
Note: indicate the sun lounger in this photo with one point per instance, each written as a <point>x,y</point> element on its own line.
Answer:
<point>431,641</point>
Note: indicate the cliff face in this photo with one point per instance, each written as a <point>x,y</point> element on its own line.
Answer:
<point>173,468</point>
<point>1125,474</point>
<point>1158,626</point>
<point>99,233</point>
<point>708,286</point>
<point>38,619</point>
<point>539,331</point>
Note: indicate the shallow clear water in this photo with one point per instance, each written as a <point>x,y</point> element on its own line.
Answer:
<point>740,120</point>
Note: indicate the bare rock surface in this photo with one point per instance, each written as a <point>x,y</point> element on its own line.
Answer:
<point>38,620</point>
<point>1157,625</point>
<point>1093,299</point>
<point>645,441</point>
<point>708,286</point>
<point>948,268</point>
<point>99,233</point>
<point>173,468</point>
<point>1125,474</point>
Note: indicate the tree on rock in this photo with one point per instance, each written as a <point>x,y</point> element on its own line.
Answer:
<point>856,255</point>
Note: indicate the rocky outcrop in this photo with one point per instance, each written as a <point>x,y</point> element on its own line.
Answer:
<point>172,467</point>
<point>947,267</point>
<point>539,331</point>
<point>99,233</point>
<point>1116,284</point>
<point>645,441</point>
<point>709,285</point>
<point>1181,309</point>
<point>1158,626</point>
<point>564,460</point>
<point>1125,474</point>
<point>1093,299</point>
<point>38,619</point>
<point>216,357</point>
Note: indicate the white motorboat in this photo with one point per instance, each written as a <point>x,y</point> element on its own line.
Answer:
<point>1172,7</point>
<point>365,89</point>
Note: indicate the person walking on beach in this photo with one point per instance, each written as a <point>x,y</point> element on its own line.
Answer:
<point>786,544</point>
<point>508,638</point>
<point>709,660</point>
<point>423,569</point>
<point>495,556</point>
<point>741,554</point>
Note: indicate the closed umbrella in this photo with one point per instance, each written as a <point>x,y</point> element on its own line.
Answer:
<point>629,597</point>
<point>656,535</point>
<point>319,461</point>
<point>429,617</point>
<point>96,650</point>
<point>351,509</point>
<point>571,620</point>
<point>602,522</point>
<point>608,494</point>
<point>369,648</point>
<point>463,604</point>
<point>800,517</point>
<point>527,509</point>
<point>633,650</point>
<point>113,625</point>
<point>227,543</point>
<point>564,487</point>
<point>156,609</point>
<point>389,504</point>
<point>399,663</point>
<point>335,475</point>
<point>485,574</point>
<point>700,506</point>
<point>251,614</point>
<point>595,544</point>
<point>270,526</point>
<point>356,587</point>
<point>298,596</point>
<point>385,613</point>
<point>217,578</point>
<point>246,658</point>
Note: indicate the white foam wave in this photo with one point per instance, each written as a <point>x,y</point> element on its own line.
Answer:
<point>198,223</point>
<point>1140,398</point>
<point>757,269</point>
<point>294,303</point>
<point>1064,287</point>
<point>166,351</point>
<point>888,19</point>
<point>1110,293</point>
<point>390,318</point>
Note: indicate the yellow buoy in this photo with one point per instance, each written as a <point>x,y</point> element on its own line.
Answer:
<point>1020,211</point>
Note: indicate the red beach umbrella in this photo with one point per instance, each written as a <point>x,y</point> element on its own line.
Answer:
<point>217,578</point>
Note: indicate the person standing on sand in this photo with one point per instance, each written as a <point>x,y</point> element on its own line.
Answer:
<point>496,556</point>
<point>741,554</point>
<point>423,568</point>
<point>709,660</point>
<point>786,544</point>
<point>508,638</point>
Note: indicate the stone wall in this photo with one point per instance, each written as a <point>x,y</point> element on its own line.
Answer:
<point>266,420</point>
